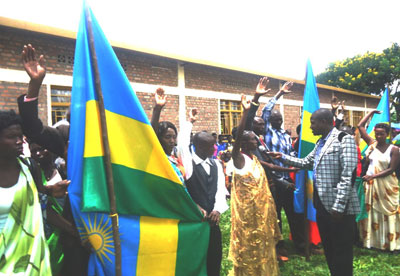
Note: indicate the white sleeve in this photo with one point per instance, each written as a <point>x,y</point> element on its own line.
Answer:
<point>220,198</point>
<point>184,153</point>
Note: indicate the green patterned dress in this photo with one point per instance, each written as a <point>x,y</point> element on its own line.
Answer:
<point>23,248</point>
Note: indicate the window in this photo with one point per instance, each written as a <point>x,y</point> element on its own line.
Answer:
<point>357,116</point>
<point>231,113</point>
<point>60,102</point>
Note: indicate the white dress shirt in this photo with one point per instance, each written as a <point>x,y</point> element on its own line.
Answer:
<point>188,157</point>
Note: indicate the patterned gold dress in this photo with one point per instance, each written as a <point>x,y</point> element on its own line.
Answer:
<point>255,229</point>
<point>381,229</point>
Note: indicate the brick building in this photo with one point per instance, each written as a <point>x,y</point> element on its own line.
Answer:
<point>214,89</point>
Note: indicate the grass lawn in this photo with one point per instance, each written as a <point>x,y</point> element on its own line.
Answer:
<point>366,262</point>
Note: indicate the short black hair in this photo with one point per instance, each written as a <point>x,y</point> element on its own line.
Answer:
<point>246,135</point>
<point>323,114</point>
<point>383,126</point>
<point>163,127</point>
<point>9,118</point>
<point>200,136</point>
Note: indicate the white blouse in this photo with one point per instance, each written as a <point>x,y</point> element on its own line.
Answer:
<point>7,198</point>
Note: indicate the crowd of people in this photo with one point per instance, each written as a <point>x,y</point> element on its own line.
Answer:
<point>356,199</point>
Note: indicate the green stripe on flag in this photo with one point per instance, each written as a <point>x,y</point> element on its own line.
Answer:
<point>138,192</point>
<point>192,241</point>
<point>94,185</point>
<point>306,148</point>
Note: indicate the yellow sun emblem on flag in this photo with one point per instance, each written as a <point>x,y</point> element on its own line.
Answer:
<point>99,234</point>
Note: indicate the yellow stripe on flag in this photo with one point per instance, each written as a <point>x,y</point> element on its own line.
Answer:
<point>158,246</point>
<point>133,144</point>
<point>306,133</point>
<point>93,140</point>
<point>363,144</point>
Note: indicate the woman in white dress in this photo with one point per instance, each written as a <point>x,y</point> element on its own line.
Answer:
<point>381,229</point>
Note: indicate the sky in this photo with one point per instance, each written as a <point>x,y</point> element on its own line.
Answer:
<point>274,37</point>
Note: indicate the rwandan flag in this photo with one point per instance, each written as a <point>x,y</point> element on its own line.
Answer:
<point>384,117</point>
<point>396,140</point>
<point>161,228</point>
<point>304,179</point>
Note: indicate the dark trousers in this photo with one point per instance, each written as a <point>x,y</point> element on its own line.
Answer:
<point>337,239</point>
<point>76,257</point>
<point>214,254</point>
<point>284,199</point>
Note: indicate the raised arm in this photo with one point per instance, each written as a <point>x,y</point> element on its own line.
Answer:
<point>271,103</point>
<point>48,137</point>
<point>238,159</point>
<point>261,90</point>
<point>361,127</point>
<point>160,99</point>
<point>35,68</point>
<point>184,153</point>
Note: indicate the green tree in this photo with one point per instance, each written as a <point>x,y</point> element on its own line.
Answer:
<point>370,73</point>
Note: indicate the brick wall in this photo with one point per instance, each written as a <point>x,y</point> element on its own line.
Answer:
<point>149,69</point>
<point>372,103</point>
<point>58,51</point>
<point>203,77</point>
<point>9,91</point>
<point>350,99</point>
<point>59,55</point>
<point>208,113</point>
<point>169,112</point>
<point>291,118</point>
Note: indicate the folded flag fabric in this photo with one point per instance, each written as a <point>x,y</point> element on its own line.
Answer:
<point>396,140</point>
<point>161,228</point>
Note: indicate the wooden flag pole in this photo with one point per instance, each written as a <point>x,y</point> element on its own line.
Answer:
<point>106,147</point>
<point>306,227</point>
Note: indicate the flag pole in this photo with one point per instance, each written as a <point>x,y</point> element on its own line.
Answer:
<point>106,147</point>
<point>306,227</point>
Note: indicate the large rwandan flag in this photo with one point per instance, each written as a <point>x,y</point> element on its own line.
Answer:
<point>161,228</point>
<point>304,179</point>
<point>384,117</point>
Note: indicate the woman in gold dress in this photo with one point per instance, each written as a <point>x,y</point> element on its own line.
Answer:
<point>255,229</point>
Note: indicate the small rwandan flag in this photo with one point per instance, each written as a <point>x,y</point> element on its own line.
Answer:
<point>304,179</point>
<point>396,140</point>
<point>161,228</point>
<point>384,117</point>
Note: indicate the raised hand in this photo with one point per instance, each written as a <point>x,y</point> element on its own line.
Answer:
<point>342,106</point>
<point>286,87</point>
<point>335,103</point>
<point>262,87</point>
<point>245,102</point>
<point>160,97</point>
<point>376,111</point>
<point>193,115</point>
<point>35,68</point>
